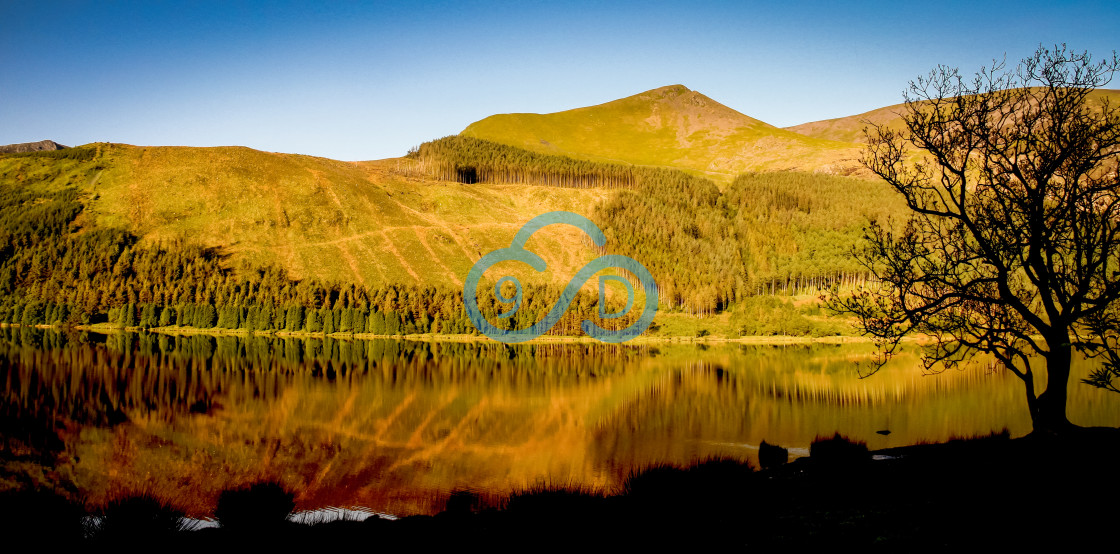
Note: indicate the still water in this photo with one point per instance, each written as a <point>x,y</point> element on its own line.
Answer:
<point>395,426</point>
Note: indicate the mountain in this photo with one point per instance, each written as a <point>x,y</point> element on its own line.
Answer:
<point>41,146</point>
<point>669,127</point>
<point>222,216</point>
<point>850,129</point>
<point>208,222</point>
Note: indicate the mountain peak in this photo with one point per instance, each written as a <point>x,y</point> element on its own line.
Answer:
<point>680,98</point>
<point>669,126</point>
<point>669,89</point>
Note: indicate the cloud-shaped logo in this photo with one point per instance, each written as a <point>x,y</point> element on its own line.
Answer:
<point>517,252</point>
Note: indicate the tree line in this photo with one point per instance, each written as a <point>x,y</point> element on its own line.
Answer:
<point>51,274</point>
<point>470,160</point>
<point>765,233</point>
<point>708,248</point>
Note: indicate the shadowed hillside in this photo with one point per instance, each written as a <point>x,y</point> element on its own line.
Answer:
<point>672,127</point>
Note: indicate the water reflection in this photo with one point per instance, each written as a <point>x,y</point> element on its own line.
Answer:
<point>394,426</point>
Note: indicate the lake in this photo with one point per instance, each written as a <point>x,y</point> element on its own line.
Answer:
<point>395,426</point>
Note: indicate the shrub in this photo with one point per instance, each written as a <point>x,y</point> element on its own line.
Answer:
<point>771,455</point>
<point>838,451</point>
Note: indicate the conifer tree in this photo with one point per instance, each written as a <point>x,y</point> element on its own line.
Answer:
<point>377,323</point>
<point>346,322</point>
<point>148,316</point>
<point>264,318</point>
<point>129,316</point>
<point>314,323</point>
<point>294,318</point>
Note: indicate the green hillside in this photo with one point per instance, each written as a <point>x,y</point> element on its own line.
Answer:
<point>241,239</point>
<point>708,247</point>
<point>669,127</point>
<point>236,238</point>
<point>335,221</point>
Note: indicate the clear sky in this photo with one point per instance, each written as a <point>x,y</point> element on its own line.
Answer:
<point>356,81</point>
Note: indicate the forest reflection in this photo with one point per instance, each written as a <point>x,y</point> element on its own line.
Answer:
<point>394,426</point>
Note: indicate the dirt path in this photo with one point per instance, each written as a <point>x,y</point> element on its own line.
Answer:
<point>139,202</point>
<point>404,263</point>
<point>438,259</point>
<point>378,256</point>
<point>374,260</point>
<point>352,262</point>
<point>326,188</point>
<point>439,224</point>
<point>348,238</point>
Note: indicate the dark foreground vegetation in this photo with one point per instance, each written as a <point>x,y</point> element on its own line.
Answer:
<point>983,492</point>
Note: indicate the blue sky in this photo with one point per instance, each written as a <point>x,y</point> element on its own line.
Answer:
<point>359,81</point>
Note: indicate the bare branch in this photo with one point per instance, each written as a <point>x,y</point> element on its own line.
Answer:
<point>1013,246</point>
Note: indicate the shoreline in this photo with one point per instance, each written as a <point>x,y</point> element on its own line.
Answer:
<point>105,328</point>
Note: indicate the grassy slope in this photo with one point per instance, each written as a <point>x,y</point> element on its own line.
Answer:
<point>350,222</point>
<point>850,128</point>
<point>670,126</point>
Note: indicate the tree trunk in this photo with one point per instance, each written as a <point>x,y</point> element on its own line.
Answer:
<point>1049,411</point>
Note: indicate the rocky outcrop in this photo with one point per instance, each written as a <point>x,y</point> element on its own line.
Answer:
<point>31,147</point>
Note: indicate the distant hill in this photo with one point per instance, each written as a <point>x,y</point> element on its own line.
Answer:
<point>43,145</point>
<point>850,129</point>
<point>669,127</point>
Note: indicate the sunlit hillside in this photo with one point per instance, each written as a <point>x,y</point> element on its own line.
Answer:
<point>361,223</point>
<point>850,128</point>
<point>669,127</point>
<point>420,221</point>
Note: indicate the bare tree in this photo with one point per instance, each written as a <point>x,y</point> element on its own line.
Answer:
<point>1012,247</point>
